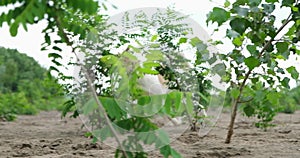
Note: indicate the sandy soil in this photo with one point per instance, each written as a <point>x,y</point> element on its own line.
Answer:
<point>46,135</point>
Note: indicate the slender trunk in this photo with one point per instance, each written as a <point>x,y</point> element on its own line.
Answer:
<point>232,120</point>
<point>234,109</point>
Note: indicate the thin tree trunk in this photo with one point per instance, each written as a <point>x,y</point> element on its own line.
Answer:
<point>232,120</point>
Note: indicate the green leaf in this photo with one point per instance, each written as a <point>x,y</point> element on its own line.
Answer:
<point>270,48</point>
<point>14,29</point>
<point>235,92</point>
<point>226,4</point>
<point>104,6</point>
<point>67,107</point>
<point>219,69</point>
<point>52,68</point>
<point>155,45</point>
<point>280,70</point>
<point>148,71</point>
<point>102,133</point>
<point>271,1</point>
<point>154,38</point>
<point>56,62</point>
<point>239,25</point>
<point>287,2</point>
<point>189,103</point>
<point>201,47</point>
<point>109,59</point>
<point>268,8</point>
<point>86,6</point>
<point>231,33</point>
<point>249,110</point>
<point>173,104</point>
<point>92,36</point>
<point>163,137</point>
<point>252,62</point>
<point>24,26</point>
<point>243,12</point>
<point>195,41</point>
<point>293,71</point>
<point>252,49</point>
<point>254,80</point>
<point>271,72</point>
<point>282,47</point>
<point>144,100</point>
<point>212,59</point>
<point>182,40</point>
<point>238,41</point>
<point>89,107</point>
<point>47,39</point>
<point>165,151</point>
<point>254,2</point>
<point>7,2</point>
<point>218,15</point>
<point>155,55</point>
<point>175,154</point>
<point>137,50</point>
<point>296,16</point>
<point>285,82</point>
<point>240,2</point>
<point>129,56</point>
<point>54,55</point>
<point>255,37</point>
<point>273,97</point>
<point>25,14</point>
<point>150,138</point>
<point>150,64</point>
<point>111,106</point>
<point>259,93</point>
<point>57,48</point>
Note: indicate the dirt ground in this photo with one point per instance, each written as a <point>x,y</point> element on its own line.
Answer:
<point>46,135</point>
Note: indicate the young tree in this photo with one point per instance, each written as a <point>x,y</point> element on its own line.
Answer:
<point>252,32</point>
<point>259,46</point>
<point>69,19</point>
<point>151,49</point>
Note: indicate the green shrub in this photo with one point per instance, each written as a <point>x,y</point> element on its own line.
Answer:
<point>15,103</point>
<point>25,87</point>
<point>288,105</point>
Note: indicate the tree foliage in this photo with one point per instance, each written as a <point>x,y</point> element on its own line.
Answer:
<point>253,70</point>
<point>65,19</point>
<point>252,66</point>
<point>24,86</point>
<point>69,20</point>
<point>121,94</point>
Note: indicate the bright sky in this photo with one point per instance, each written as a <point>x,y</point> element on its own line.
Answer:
<point>30,42</point>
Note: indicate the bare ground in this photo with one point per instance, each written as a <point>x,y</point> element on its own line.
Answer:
<point>46,135</point>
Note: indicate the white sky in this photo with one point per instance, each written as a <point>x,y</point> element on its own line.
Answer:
<point>30,42</point>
